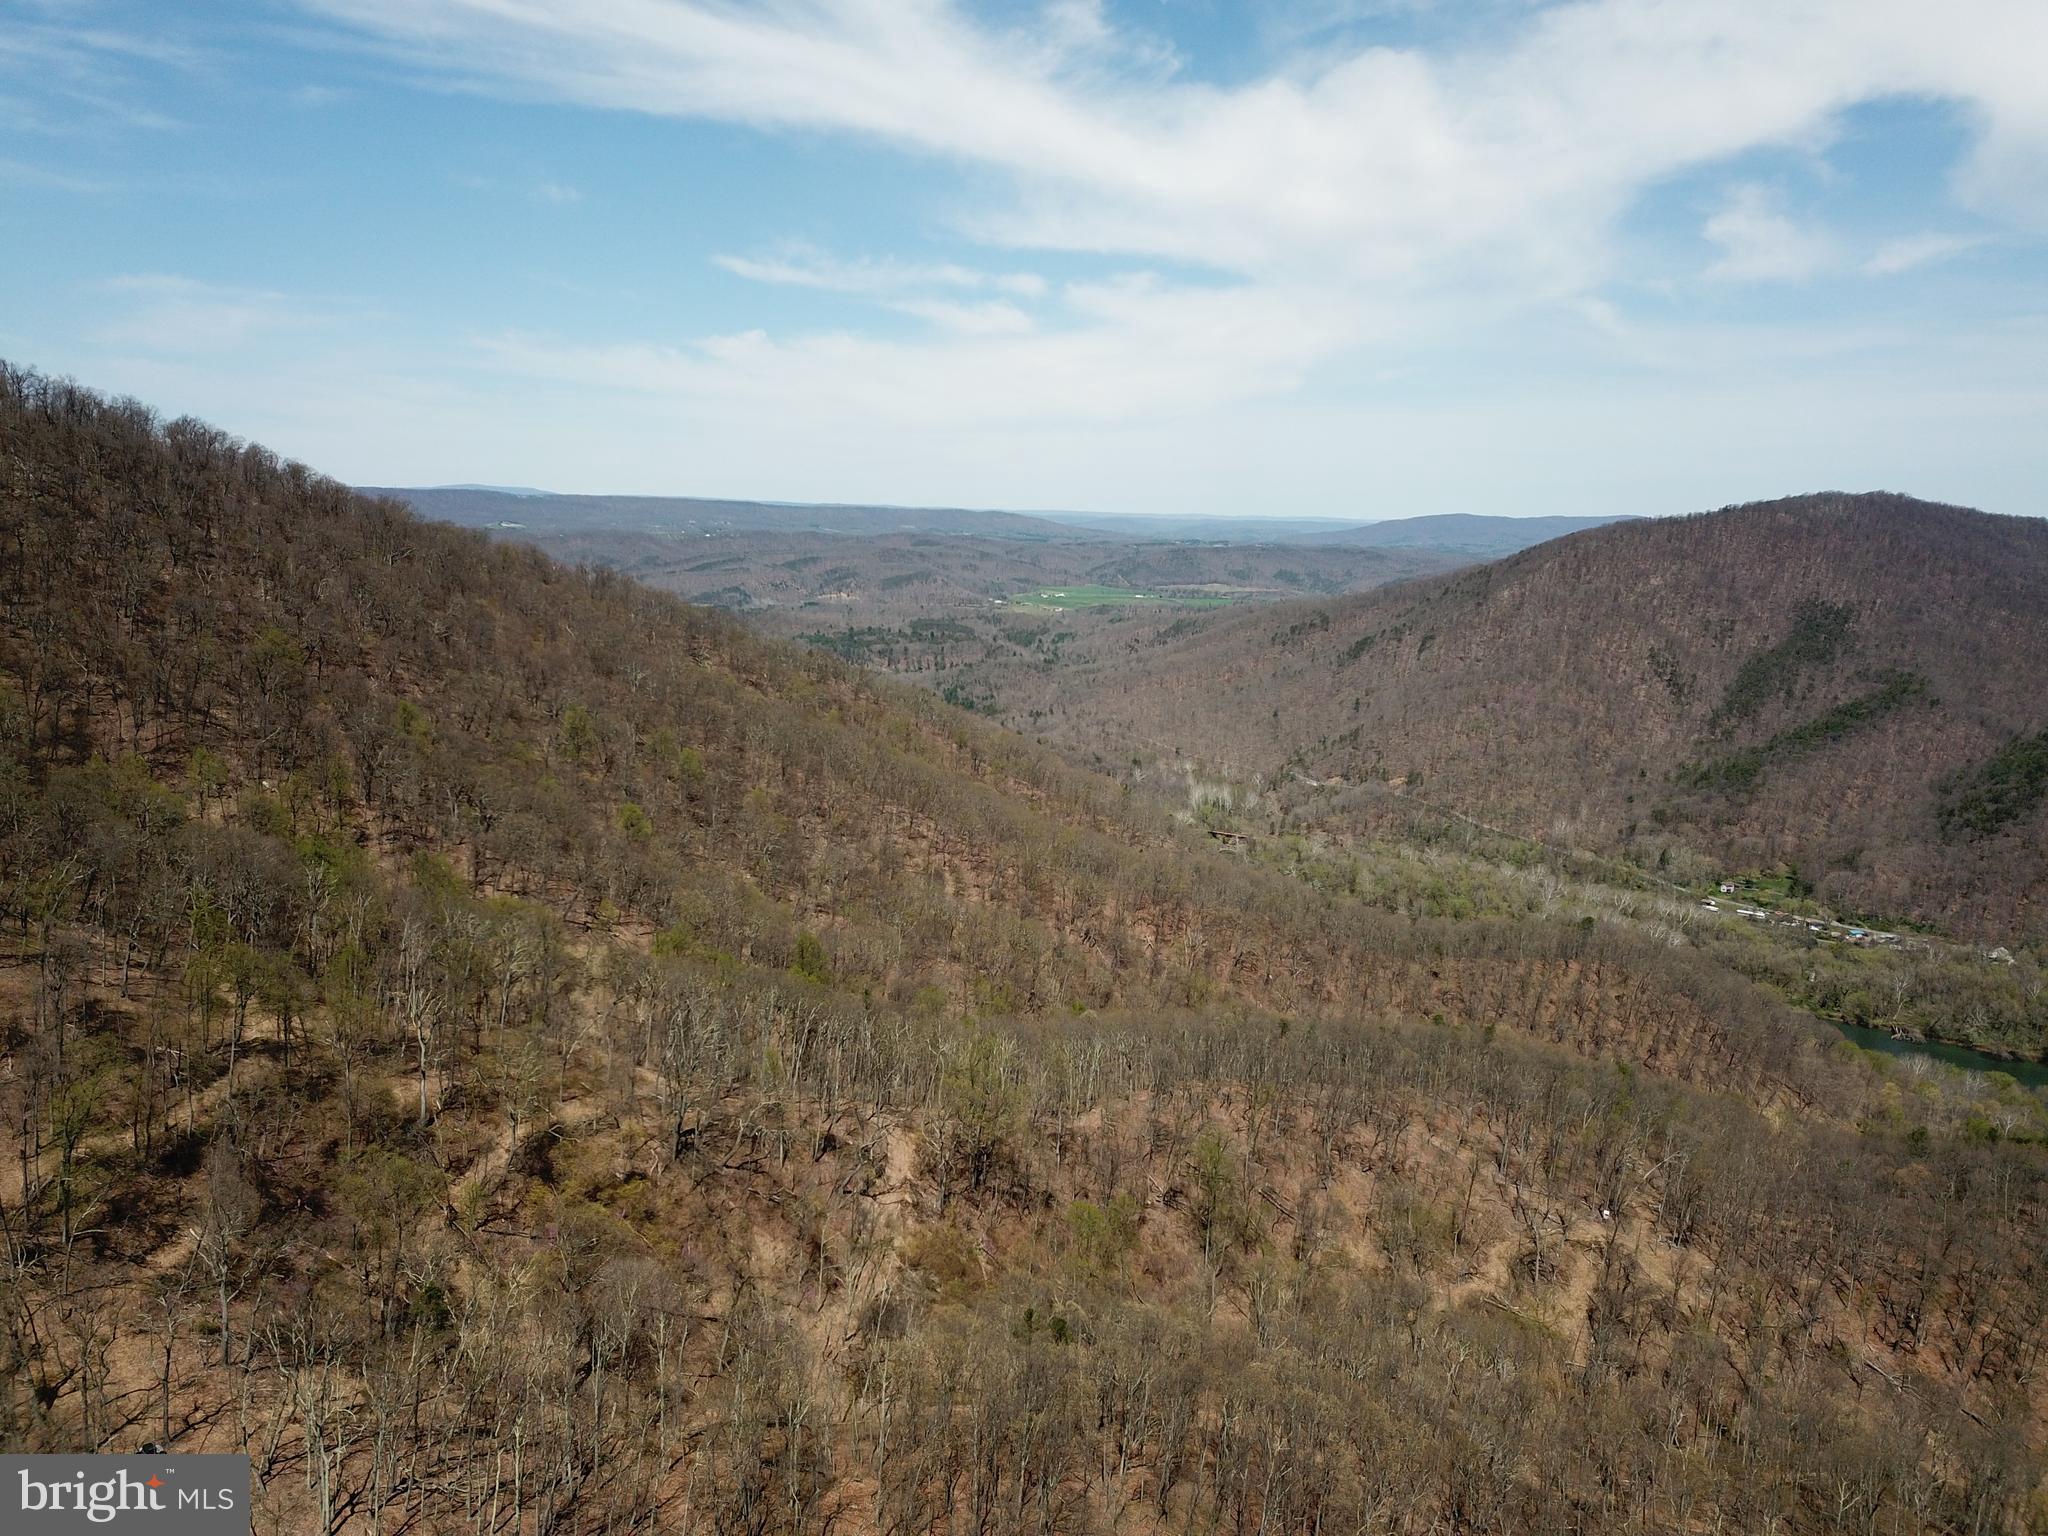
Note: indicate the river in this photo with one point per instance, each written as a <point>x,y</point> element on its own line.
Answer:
<point>2030,1074</point>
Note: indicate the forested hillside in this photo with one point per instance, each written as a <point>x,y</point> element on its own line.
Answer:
<point>1851,686</point>
<point>515,1052</point>
<point>1482,538</point>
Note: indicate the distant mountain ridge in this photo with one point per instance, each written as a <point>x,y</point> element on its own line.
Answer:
<point>543,511</point>
<point>493,506</point>
<point>1856,685</point>
<point>1194,528</point>
<point>496,490</point>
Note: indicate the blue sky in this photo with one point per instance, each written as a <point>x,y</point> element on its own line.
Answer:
<point>1365,258</point>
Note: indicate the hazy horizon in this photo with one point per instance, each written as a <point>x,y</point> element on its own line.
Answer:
<point>1069,514</point>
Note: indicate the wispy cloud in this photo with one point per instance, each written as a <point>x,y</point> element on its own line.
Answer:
<point>1370,161</point>
<point>23,173</point>
<point>1143,350</point>
<point>1761,243</point>
<point>1335,210</point>
<point>930,291</point>
<point>166,314</point>
<point>82,81</point>
<point>1911,252</point>
<point>803,266</point>
<point>1354,199</point>
<point>547,190</point>
<point>994,318</point>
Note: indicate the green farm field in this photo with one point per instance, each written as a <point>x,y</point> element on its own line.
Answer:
<point>1059,599</point>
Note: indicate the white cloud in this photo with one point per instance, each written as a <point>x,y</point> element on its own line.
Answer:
<point>169,315</point>
<point>1352,196</point>
<point>1518,148</point>
<point>1911,252</point>
<point>1351,199</point>
<point>1142,349</point>
<point>996,317</point>
<point>927,290</point>
<point>802,266</point>
<point>1761,243</point>
<point>24,174</point>
<point>547,190</point>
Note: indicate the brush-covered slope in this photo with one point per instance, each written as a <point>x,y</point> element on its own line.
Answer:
<point>1853,684</point>
<point>509,1051</point>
